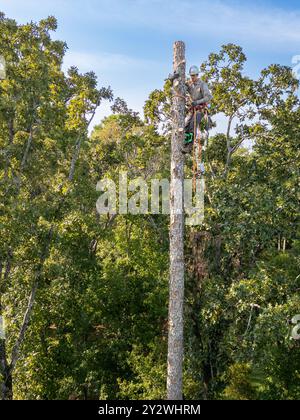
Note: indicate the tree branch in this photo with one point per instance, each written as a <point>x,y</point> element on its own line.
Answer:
<point>25,323</point>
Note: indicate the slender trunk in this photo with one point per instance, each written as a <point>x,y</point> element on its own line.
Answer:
<point>6,392</point>
<point>11,130</point>
<point>284,244</point>
<point>5,376</point>
<point>27,149</point>
<point>229,149</point>
<point>176,285</point>
<point>25,323</point>
<point>75,158</point>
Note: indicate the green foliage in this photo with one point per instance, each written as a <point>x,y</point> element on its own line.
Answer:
<point>149,370</point>
<point>239,386</point>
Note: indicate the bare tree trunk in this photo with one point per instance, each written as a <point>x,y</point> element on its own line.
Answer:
<point>176,292</point>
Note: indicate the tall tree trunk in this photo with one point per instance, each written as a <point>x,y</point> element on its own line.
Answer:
<point>176,285</point>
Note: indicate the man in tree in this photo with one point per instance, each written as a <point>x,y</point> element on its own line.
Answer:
<point>200,96</point>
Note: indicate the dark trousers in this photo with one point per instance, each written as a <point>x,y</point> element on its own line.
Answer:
<point>189,124</point>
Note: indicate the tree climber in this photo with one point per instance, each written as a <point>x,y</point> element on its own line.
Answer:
<point>199,97</point>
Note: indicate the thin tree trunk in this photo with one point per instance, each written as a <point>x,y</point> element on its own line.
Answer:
<point>11,130</point>
<point>6,392</point>
<point>25,323</point>
<point>27,149</point>
<point>229,148</point>
<point>176,285</point>
<point>284,244</point>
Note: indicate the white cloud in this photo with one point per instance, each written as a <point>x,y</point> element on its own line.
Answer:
<point>105,61</point>
<point>259,25</point>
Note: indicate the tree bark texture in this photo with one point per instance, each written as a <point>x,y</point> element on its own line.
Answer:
<point>176,283</point>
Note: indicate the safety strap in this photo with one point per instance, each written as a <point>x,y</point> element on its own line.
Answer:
<point>197,160</point>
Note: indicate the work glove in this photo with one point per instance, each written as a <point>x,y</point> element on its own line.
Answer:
<point>172,76</point>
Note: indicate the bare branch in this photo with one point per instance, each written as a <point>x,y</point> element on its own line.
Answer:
<point>26,319</point>
<point>28,145</point>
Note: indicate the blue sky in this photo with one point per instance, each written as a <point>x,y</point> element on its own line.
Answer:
<point>128,43</point>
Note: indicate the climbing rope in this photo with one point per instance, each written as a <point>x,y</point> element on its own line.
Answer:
<point>194,150</point>
<point>197,145</point>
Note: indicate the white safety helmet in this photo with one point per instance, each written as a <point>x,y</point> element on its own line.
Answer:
<point>194,71</point>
